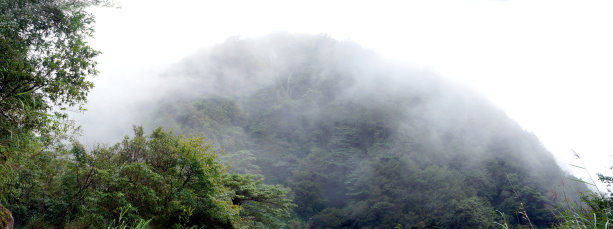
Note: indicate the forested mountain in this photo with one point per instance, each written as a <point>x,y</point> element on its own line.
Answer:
<point>360,140</point>
<point>304,132</point>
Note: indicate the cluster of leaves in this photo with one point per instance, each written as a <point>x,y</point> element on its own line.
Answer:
<point>44,61</point>
<point>409,151</point>
<point>170,180</point>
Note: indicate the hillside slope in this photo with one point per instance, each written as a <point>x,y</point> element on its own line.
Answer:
<point>361,141</point>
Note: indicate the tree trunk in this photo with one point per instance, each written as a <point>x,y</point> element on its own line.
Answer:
<point>6,218</point>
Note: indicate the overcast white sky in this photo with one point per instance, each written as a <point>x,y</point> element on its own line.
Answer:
<point>548,64</point>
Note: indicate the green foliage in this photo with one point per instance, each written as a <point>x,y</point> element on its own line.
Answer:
<point>122,224</point>
<point>6,218</point>
<point>161,180</point>
<point>472,212</point>
<point>595,209</point>
<point>262,205</point>
<point>597,214</point>
<point>44,61</point>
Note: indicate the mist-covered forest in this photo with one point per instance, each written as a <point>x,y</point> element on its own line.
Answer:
<point>281,131</point>
<point>360,142</point>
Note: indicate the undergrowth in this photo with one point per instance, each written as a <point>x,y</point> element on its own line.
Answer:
<point>121,222</point>
<point>593,210</point>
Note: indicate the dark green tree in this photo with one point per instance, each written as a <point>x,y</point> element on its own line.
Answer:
<point>262,206</point>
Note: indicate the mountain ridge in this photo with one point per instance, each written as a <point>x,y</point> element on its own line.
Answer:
<point>330,120</point>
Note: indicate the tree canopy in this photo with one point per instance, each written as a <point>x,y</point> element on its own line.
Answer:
<point>44,63</point>
<point>168,180</point>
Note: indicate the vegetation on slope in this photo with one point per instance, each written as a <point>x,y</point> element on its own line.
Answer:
<point>361,142</point>
<point>170,180</point>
